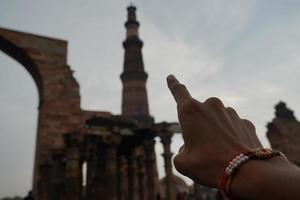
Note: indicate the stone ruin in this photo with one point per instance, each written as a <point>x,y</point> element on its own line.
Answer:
<point>116,152</point>
<point>284,133</point>
<point>91,154</point>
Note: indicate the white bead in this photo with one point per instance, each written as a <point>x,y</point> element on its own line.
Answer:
<point>235,163</point>
<point>227,171</point>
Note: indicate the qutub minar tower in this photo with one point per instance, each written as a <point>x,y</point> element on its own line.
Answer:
<point>134,77</point>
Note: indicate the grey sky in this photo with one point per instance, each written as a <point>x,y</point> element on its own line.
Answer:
<point>245,52</point>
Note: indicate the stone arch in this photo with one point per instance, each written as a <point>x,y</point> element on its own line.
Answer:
<point>19,55</point>
<point>59,108</point>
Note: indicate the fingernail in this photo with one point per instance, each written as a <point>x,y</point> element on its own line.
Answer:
<point>171,77</point>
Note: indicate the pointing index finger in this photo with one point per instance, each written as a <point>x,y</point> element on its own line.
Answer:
<point>178,90</point>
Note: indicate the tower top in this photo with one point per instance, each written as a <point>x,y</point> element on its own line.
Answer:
<point>131,7</point>
<point>131,17</point>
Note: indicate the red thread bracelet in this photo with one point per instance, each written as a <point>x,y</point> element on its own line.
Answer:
<point>238,160</point>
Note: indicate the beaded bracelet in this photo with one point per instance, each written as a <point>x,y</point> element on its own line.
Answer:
<point>237,161</point>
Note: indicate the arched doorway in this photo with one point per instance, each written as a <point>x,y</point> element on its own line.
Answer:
<point>18,116</point>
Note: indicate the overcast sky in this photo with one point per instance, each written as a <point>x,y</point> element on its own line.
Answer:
<point>245,52</point>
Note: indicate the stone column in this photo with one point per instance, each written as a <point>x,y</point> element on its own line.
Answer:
<point>122,178</point>
<point>132,175</point>
<point>150,166</point>
<point>141,175</point>
<point>102,167</point>
<point>166,139</point>
<point>73,167</point>
<point>110,144</point>
<point>95,168</point>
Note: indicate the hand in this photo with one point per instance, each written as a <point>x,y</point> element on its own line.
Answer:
<point>212,134</point>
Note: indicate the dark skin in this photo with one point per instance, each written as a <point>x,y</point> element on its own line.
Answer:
<point>212,135</point>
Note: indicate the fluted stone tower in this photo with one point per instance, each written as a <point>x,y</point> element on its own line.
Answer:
<point>134,77</point>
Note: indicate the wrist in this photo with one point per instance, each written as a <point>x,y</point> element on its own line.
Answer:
<point>258,179</point>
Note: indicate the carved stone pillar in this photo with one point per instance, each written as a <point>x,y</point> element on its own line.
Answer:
<point>102,167</point>
<point>132,175</point>
<point>73,179</point>
<point>95,168</point>
<point>122,178</point>
<point>110,145</point>
<point>166,139</point>
<point>141,175</point>
<point>150,166</point>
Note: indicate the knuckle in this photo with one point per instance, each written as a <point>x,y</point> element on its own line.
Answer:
<point>249,124</point>
<point>214,102</point>
<point>231,111</point>
<point>180,164</point>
